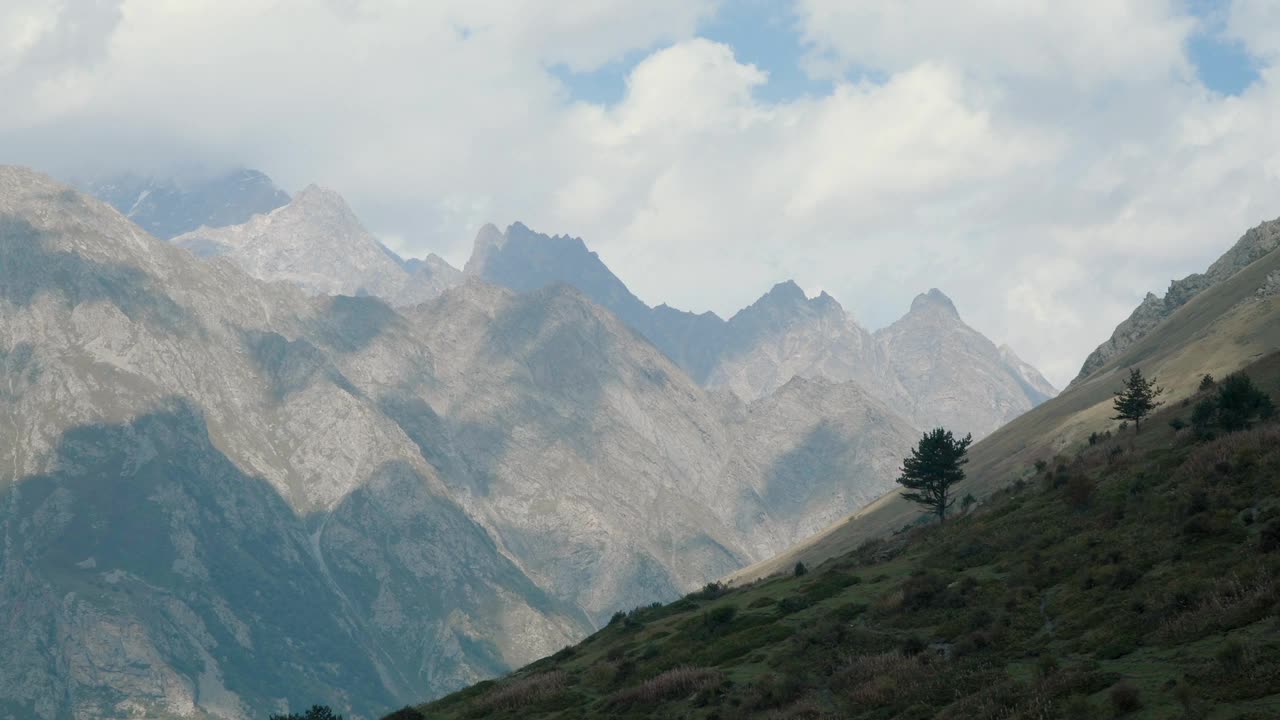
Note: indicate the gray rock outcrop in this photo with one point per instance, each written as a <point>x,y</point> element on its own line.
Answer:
<point>1153,310</point>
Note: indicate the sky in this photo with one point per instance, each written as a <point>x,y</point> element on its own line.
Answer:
<point>1046,164</point>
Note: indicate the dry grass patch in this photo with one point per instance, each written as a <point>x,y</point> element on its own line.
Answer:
<point>524,691</point>
<point>672,684</point>
<point>1232,603</point>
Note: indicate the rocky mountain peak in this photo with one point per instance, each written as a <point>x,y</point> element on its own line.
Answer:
<point>488,240</point>
<point>785,291</point>
<point>934,300</point>
<point>321,205</point>
<point>318,243</point>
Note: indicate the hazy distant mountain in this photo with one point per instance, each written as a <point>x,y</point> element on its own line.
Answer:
<point>1036,386</point>
<point>521,259</point>
<point>227,495</point>
<point>1153,310</point>
<point>785,334</point>
<point>951,375</point>
<point>167,207</point>
<point>317,243</point>
<point>929,365</point>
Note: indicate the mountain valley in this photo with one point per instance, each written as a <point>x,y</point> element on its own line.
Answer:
<point>456,486</point>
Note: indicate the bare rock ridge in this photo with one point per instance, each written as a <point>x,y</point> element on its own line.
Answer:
<point>225,496</point>
<point>1254,244</point>
<point>317,243</point>
<point>951,375</point>
<point>785,334</point>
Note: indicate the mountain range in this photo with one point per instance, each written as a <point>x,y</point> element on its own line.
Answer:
<point>914,365</point>
<point>445,490</point>
<point>249,469</point>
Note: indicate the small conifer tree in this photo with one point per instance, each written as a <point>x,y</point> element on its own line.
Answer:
<point>1137,399</point>
<point>935,466</point>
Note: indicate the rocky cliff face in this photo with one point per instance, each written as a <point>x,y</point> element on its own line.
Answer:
<point>923,363</point>
<point>1153,310</point>
<point>167,208</point>
<point>223,496</point>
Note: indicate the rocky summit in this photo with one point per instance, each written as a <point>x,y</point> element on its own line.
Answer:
<point>317,243</point>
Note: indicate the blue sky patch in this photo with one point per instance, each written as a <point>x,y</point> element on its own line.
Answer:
<point>1221,62</point>
<point>766,33</point>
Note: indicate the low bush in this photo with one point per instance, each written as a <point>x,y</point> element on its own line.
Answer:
<point>1125,698</point>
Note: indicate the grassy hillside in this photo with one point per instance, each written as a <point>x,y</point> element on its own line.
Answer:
<point>1138,577</point>
<point>1225,328</point>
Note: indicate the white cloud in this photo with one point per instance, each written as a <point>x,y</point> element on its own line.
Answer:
<point>1257,24</point>
<point>1044,163</point>
<point>1081,44</point>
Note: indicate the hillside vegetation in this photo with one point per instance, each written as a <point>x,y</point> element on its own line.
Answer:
<point>1137,576</point>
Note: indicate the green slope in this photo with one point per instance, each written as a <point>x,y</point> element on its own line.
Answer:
<point>1223,329</point>
<point>1137,578</point>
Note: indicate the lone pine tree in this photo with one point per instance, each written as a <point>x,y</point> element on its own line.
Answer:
<point>1137,399</point>
<point>935,466</point>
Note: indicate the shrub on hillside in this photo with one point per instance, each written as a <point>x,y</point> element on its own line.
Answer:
<point>719,617</point>
<point>316,712</point>
<point>710,591</point>
<point>793,604</point>
<point>1202,418</point>
<point>1241,403</point>
<point>1125,698</point>
<point>1079,491</point>
<point>1269,537</point>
